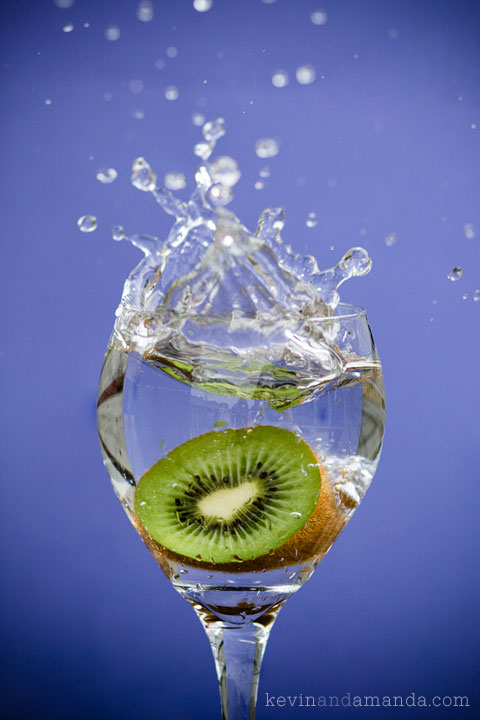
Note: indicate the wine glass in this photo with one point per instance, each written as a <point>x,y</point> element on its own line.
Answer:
<point>239,460</point>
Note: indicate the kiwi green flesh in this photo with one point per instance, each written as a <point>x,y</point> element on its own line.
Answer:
<point>230,496</point>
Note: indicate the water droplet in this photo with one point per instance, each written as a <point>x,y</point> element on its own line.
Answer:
<point>390,239</point>
<point>48,101</point>
<point>135,86</point>
<point>202,5</point>
<point>86,24</point>
<point>393,33</point>
<point>266,147</point>
<point>332,183</point>
<point>469,231</point>
<point>143,177</point>
<point>473,126</point>
<point>319,17</point>
<point>171,92</point>
<point>259,185</point>
<point>118,233</point>
<point>220,195</point>
<point>107,96</point>
<point>356,56</point>
<point>280,78</point>
<point>138,114</point>
<point>64,4</point>
<point>145,11</point>
<point>112,32</point>
<point>203,150</point>
<point>106,175</point>
<point>296,514</point>
<point>264,172</point>
<point>224,170</point>
<point>198,119</point>
<point>464,296</point>
<point>172,52</point>
<point>87,223</point>
<point>269,2</point>
<point>456,274</point>
<point>305,74</point>
<point>214,130</point>
<point>174,181</point>
<point>159,64</point>
<point>311,220</point>
<point>476,296</point>
<point>68,28</point>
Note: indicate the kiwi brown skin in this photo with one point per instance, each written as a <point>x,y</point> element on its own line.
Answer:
<point>311,542</point>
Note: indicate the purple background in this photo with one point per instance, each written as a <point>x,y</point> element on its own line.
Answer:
<point>90,627</point>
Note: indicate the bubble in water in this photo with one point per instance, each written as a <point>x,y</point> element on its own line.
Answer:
<point>145,10</point>
<point>202,5</point>
<point>469,231</point>
<point>476,296</point>
<point>220,194</point>
<point>64,4</point>
<point>118,233</point>
<point>198,119</point>
<point>106,175</point>
<point>138,114</point>
<point>456,274</point>
<point>280,78</point>
<point>112,32</point>
<point>87,223</point>
<point>175,181</point>
<point>224,170</point>
<point>264,172</point>
<point>311,220</point>
<point>305,74</point>
<point>214,130</point>
<point>135,86</point>
<point>203,150</point>
<point>390,239</point>
<point>67,28</point>
<point>48,101</point>
<point>143,177</point>
<point>171,92</point>
<point>172,52</point>
<point>266,147</point>
<point>319,17</point>
<point>259,185</point>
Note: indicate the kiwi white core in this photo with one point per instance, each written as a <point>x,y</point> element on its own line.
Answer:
<point>226,503</point>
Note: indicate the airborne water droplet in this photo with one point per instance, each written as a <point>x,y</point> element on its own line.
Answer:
<point>48,101</point>
<point>476,296</point>
<point>455,274</point>
<point>311,220</point>
<point>175,181</point>
<point>319,17</point>
<point>145,11</point>
<point>202,5</point>
<point>390,239</point>
<point>214,130</point>
<point>224,170</point>
<point>305,74</point>
<point>469,231</point>
<point>112,32</point>
<point>280,78</point>
<point>135,86</point>
<point>159,64</point>
<point>138,114</point>
<point>203,150</point>
<point>266,147</point>
<point>259,185</point>
<point>143,177</point>
<point>118,233</point>
<point>171,92</point>
<point>264,172</point>
<point>220,194</point>
<point>198,119</point>
<point>172,52</point>
<point>64,4</point>
<point>87,223</point>
<point>106,175</point>
<point>68,28</point>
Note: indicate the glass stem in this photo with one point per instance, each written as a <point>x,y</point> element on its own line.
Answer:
<point>238,652</point>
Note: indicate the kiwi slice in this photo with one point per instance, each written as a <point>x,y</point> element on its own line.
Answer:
<point>230,496</point>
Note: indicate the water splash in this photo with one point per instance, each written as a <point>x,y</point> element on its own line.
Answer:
<point>212,294</point>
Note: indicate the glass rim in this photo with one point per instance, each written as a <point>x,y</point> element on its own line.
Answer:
<point>343,311</point>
